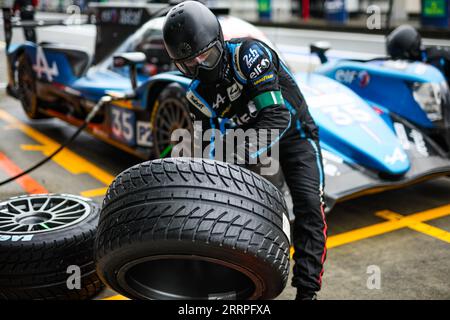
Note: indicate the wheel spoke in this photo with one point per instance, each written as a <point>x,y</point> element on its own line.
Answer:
<point>16,208</point>
<point>66,210</point>
<point>30,205</point>
<point>169,114</point>
<point>163,123</point>
<point>58,205</point>
<point>45,204</point>
<point>8,224</point>
<point>70,213</point>
<point>15,228</point>
<point>63,218</point>
<point>56,222</point>
<point>8,213</point>
<point>179,114</point>
<point>167,121</point>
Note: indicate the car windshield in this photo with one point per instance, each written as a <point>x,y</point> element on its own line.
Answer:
<point>139,41</point>
<point>148,38</point>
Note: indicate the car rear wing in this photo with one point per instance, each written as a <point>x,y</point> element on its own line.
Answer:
<point>117,21</point>
<point>10,22</point>
<point>114,22</point>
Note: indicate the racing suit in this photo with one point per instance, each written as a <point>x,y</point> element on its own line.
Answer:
<point>259,92</point>
<point>440,58</point>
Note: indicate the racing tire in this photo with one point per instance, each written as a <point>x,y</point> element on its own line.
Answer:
<point>170,112</point>
<point>46,248</point>
<point>27,89</point>
<point>182,228</point>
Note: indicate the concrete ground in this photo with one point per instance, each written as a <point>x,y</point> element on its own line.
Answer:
<point>402,236</point>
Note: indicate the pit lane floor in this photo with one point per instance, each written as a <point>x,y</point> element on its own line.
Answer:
<point>403,234</point>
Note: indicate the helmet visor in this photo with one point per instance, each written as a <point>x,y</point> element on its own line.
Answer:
<point>207,59</point>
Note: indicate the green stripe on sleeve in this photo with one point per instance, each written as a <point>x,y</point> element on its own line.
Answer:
<point>268,99</point>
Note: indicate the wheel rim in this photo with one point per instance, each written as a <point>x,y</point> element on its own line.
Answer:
<point>41,213</point>
<point>183,277</point>
<point>171,115</point>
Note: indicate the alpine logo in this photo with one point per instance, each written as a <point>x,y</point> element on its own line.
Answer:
<point>219,101</point>
<point>397,156</point>
<point>42,67</point>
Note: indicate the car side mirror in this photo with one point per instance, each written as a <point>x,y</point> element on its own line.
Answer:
<point>320,48</point>
<point>131,59</point>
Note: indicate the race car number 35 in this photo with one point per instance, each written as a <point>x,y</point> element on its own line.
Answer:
<point>123,125</point>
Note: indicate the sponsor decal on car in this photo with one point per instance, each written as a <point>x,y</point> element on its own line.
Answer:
<point>419,141</point>
<point>397,156</point>
<point>414,138</point>
<point>144,134</point>
<point>42,66</point>
<point>123,125</point>
<point>349,77</point>
<point>364,79</point>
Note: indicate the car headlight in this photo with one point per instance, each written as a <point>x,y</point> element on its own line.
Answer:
<point>429,97</point>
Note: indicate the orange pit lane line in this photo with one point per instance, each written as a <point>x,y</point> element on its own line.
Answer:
<point>28,184</point>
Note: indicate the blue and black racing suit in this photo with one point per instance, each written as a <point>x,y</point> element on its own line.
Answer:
<point>259,92</point>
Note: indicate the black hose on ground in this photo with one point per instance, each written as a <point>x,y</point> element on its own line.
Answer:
<point>90,116</point>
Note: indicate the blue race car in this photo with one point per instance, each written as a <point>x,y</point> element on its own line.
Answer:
<point>414,91</point>
<point>366,148</point>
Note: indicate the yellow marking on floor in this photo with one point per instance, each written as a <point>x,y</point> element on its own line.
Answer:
<point>100,192</point>
<point>67,159</point>
<point>118,297</point>
<point>32,147</point>
<point>413,221</point>
<point>2,44</point>
<point>385,227</point>
<point>413,224</point>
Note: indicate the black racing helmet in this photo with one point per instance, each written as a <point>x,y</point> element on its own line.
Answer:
<point>404,43</point>
<point>194,41</point>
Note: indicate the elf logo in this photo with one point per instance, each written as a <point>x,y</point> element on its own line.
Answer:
<point>346,76</point>
<point>258,70</point>
<point>15,238</point>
